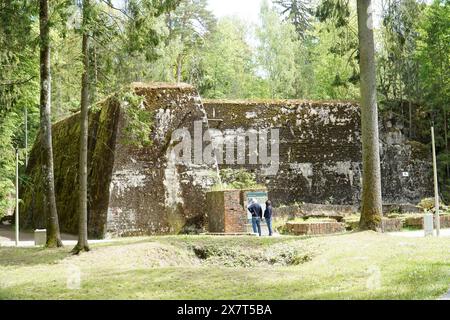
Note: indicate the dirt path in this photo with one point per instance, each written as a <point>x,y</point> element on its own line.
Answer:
<point>8,233</point>
<point>418,233</point>
<point>446,297</point>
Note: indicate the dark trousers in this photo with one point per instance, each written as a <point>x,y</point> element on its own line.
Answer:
<point>269,225</point>
<point>256,224</point>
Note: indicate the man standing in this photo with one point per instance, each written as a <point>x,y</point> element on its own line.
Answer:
<point>268,216</point>
<point>256,211</point>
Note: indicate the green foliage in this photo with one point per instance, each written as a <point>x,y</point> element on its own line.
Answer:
<point>413,64</point>
<point>141,36</point>
<point>236,179</point>
<point>7,162</point>
<point>337,52</point>
<point>19,88</point>
<point>335,69</point>
<point>337,11</point>
<point>297,12</point>
<point>181,33</point>
<point>127,38</point>
<point>189,24</point>
<point>139,120</point>
<point>277,51</point>
<point>398,69</point>
<point>228,64</point>
<point>226,68</point>
<point>434,58</point>
<point>426,204</point>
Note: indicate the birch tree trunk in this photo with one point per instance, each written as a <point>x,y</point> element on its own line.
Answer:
<point>179,67</point>
<point>371,211</point>
<point>82,244</point>
<point>53,234</point>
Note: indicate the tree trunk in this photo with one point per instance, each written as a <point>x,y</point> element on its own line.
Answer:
<point>94,86</point>
<point>410,119</point>
<point>371,211</point>
<point>446,143</point>
<point>53,235</point>
<point>82,244</point>
<point>179,68</point>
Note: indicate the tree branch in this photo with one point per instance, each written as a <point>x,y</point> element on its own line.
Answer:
<point>109,4</point>
<point>14,82</point>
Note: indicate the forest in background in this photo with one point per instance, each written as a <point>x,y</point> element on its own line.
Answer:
<point>294,52</point>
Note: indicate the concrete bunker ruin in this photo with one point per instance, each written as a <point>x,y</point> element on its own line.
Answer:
<point>142,191</point>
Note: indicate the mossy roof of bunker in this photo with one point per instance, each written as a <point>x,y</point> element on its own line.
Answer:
<point>237,189</point>
<point>160,85</point>
<point>278,102</point>
<point>141,86</point>
<point>135,86</point>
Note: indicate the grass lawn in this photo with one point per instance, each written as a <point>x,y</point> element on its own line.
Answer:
<point>350,266</point>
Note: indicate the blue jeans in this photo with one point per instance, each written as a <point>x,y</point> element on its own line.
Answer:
<point>256,224</point>
<point>269,225</point>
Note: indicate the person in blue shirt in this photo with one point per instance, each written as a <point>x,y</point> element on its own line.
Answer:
<point>268,216</point>
<point>256,211</point>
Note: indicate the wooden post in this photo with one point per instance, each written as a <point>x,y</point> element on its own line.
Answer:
<point>436,188</point>
<point>17,197</point>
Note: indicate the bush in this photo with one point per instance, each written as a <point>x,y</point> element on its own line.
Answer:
<point>139,121</point>
<point>240,256</point>
<point>236,179</point>
<point>427,205</point>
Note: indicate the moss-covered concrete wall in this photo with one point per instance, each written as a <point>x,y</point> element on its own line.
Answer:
<point>132,190</point>
<point>320,151</point>
<point>149,192</point>
<point>142,190</point>
<point>66,133</point>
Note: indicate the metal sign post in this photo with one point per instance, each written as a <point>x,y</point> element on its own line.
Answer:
<point>436,188</point>
<point>17,197</point>
<point>26,137</point>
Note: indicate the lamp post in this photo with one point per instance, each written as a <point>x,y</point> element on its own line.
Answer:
<point>436,188</point>
<point>26,137</point>
<point>17,197</point>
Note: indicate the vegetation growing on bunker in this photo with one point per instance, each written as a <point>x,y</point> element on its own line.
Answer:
<point>139,120</point>
<point>236,179</point>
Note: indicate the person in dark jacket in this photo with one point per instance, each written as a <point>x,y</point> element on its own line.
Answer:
<point>256,211</point>
<point>268,216</point>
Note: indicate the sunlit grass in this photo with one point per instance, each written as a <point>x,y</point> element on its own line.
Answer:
<point>352,266</point>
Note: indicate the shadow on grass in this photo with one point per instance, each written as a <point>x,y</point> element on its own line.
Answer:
<point>186,241</point>
<point>148,284</point>
<point>418,281</point>
<point>31,256</point>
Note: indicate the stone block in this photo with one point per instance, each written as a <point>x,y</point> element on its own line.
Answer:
<point>314,228</point>
<point>40,237</point>
<point>391,224</point>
